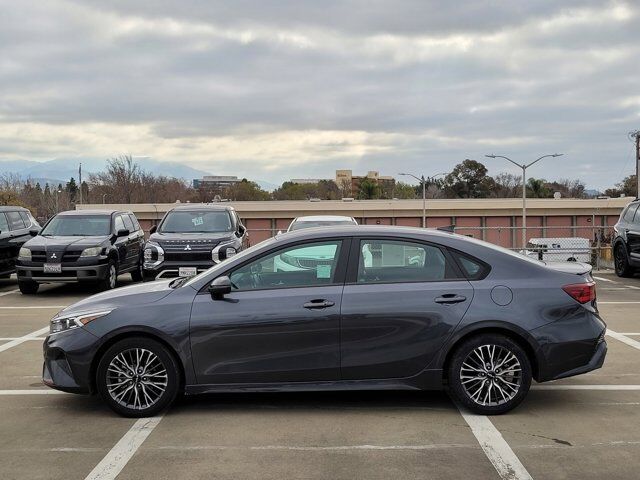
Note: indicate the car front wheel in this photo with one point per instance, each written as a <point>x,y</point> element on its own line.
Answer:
<point>621,261</point>
<point>138,377</point>
<point>110,281</point>
<point>28,287</point>
<point>489,374</point>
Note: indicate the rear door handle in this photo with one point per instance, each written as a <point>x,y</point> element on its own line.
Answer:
<point>449,298</point>
<point>319,303</point>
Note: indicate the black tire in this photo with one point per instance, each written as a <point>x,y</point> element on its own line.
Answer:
<point>487,379</point>
<point>137,275</point>
<point>127,349</point>
<point>109,282</point>
<point>621,261</point>
<point>28,287</point>
<point>5,276</point>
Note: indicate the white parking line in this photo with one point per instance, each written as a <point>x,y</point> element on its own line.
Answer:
<point>620,337</point>
<point>36,307</point>
<point>495,447</point>
<point>114,461</point>
<point>19,340</point>
<point>586,387</point>
<point>4,339</point>
<point>618,303</point>
<point>602,279</point>
<point>9,292</point>
<point>42,391</point>
<point>627,333</point>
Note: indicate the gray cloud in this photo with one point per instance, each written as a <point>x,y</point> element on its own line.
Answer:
<point>290,89</point>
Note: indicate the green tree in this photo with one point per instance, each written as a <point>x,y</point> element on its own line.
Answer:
<point>246,190</point>
<point>469,179</point>
<point>406,191</point>
<point>369,189</point>
<point>72,189</point>
<point>628,187</point>
<point>538,188</point>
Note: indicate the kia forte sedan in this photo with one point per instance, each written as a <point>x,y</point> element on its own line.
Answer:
<point>392,308</point>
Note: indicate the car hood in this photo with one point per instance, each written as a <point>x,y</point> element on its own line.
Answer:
<point>139,294</point>
<point>172,237</point>
<point>62,242</point>
<point>575,268</point>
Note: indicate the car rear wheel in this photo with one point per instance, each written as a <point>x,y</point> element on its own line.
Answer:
<point>28,287</point>
<point>489,374</point>
<point>138,377</point>
<point>621,261</point>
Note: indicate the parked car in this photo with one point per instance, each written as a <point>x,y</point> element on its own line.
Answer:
<point>559,249</point>
<point>15,225</point>
<point>192,238</point>
<point>82,246</point>
<point>443,310</point>
<point>626,241</point>
<point>314,221</point>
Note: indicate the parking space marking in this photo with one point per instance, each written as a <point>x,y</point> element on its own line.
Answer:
<point>118,457</point>
<point>618,303</point>
<point>624,339</point>
<point>495,447</point>
<point>5,339</point>
<point>586,387</point>
<point>9,292</point>
<point>42,391</point>
<point>20,340</point>
<point>602,279</point>
<point>40,307</point>
<point>626,333</point>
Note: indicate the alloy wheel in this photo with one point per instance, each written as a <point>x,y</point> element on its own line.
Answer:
<point>113,276</point>
<point>491,375</point>
<point>136,378</point>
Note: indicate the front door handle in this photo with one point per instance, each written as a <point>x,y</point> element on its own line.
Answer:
<point>449,298</point>
<point>319,303</point>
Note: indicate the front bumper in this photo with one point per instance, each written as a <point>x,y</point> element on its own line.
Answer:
<point>572,347</point>
<point>67,361</point>
<point>85,271</point>
<point>170,269</point>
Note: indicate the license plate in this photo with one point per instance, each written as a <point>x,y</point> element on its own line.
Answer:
<point>52,268</point>
<point>187,271</point>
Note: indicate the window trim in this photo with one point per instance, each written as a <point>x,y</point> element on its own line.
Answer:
<point>339,277</point>
<point>459,253</point>
<point>354,257</point>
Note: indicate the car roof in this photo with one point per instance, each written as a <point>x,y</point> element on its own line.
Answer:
<point>364,230</point>
<point>324,218</point>
<point>10,208</point>
<point>201,206</point>
<point>91,212</point>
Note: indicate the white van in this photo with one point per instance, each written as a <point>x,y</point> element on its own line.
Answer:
<point>561,249</point>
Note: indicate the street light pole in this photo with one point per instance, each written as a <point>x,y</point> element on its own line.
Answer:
<point>423,181</point>
<point>524,167</point>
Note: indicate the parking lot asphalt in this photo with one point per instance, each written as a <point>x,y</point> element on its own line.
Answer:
<point>585,427</point>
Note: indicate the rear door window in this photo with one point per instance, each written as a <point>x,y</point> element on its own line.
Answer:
<point>472,268</point>
<point>15,221</point>
<point>4,225</point>
<point>630,212</point>
<point>396,261</point>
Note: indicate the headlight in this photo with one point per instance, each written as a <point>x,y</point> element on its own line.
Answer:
<point>231,252</point>
<point>222,251</point>
<point>24,254</point>
<point>67,322</point>
<point>91,252</point>
<point>153,254</point>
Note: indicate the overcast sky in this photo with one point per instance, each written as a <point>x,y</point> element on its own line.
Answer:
<point>278,89</point>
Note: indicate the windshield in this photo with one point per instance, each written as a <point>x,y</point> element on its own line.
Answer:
<point>196,222</point>
<point>319,223</point>
<point>78,226</point>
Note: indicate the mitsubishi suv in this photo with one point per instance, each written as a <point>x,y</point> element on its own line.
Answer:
<point>89,246</point>
<point>191,239</point>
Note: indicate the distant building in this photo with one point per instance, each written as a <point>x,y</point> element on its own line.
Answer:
<point>350,183</point>
<point>215,184</point>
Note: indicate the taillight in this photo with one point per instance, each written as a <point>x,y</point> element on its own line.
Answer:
<point>581,292</point>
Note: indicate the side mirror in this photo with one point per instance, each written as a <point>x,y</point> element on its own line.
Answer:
<point>123,232</point>
<point>34,231</point>
<point>241,230</point>
<point>279,232</point>
<point>220,287</point>
<point>153,230</point>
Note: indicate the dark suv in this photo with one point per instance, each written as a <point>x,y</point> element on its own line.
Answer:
<point>15,224</point>
<point>626,241</point>
<point>82,246</point>
<point>191,239</point>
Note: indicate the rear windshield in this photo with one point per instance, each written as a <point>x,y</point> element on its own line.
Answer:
<point>78,226</point>
<point>196,222</point>
<point>319,223</point>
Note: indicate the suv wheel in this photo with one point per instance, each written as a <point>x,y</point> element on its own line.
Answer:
<point>28,287</point>
<point>621,261</point>
<point>138,377</point>
<point>110,281</point>
<point>489,374</point>
<point>137,275</point>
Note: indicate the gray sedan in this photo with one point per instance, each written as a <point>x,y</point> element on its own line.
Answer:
<point>376,308</point>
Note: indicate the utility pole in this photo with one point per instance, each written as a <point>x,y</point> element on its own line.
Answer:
<point>423,181</point>
<point>636,135</point>
<point>80,180</point>
<point>524,167</point>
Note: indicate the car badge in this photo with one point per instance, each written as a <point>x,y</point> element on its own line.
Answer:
<point>188,247</point>
<point>53,256</point>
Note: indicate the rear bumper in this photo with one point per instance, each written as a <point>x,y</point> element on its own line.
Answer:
<point>572,347</point>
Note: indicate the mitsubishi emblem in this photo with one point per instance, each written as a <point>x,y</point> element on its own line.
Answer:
<point>53,256</point>
<point>188,247</point>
